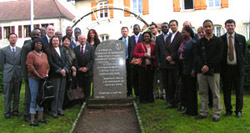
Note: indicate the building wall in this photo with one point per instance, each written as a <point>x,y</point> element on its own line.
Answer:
<point>60,25</point>
<point>162,11</point>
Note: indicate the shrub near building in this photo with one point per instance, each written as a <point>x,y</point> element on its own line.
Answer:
<point>247,69</point>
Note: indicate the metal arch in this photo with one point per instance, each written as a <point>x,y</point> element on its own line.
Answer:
<point>108,8</point>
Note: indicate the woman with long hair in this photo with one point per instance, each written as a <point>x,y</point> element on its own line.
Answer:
<point>93,38</point>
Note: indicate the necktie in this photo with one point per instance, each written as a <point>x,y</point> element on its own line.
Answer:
<point>136,39</point>
<point>126,41</point>
<point>82,50</point>
<point>13,49</point>
<point>231,49</point>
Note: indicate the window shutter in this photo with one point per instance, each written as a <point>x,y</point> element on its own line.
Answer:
<point>12,29</point>
<point>176,5</point>
<point>224,3</point>
<point>203,4</point>
<point>20,33</point>
<point>111,11</point>
<point>127,6</point>
<point>145,8</point>
<point>93,4</point>
<point>1,33</point>
<point>197,4</point>
<point>36,26</point>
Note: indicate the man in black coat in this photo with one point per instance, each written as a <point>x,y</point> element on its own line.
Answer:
<point>173,43</point>
<point>160,57</point>
<point>232,72</point>
<point>125,38</point>
<point>84,60</point>
<point>50,32</point>
<point>134,39</point>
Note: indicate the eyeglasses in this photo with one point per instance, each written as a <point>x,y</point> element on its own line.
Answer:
<point>164,27</point>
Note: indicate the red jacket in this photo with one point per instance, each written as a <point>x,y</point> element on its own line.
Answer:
<point>139,52</point>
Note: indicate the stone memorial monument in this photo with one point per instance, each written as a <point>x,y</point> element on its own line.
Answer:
<point>110,70</point>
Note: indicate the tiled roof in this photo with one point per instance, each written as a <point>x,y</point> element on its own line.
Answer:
<point>20,10</point>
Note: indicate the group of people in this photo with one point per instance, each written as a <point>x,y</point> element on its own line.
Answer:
<point>64,61</point>
<point>176,64</point>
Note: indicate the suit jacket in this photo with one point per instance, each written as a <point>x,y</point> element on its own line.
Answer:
<point>159,51</point>
<point>87,60</point>
<point>57,63</point>
<point>133,44</point>
<point>188,55</point>
<point>25,50</point>
<point>10,62</point>
<point>45,42</point>
<point>129,48</point>
<point>240,50</point>
<point>171,49</point>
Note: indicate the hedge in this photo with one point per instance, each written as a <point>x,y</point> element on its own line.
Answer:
<point>1,81</point>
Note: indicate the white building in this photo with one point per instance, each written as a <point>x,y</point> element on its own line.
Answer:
<point>109,22</point>
<point>15,17</point>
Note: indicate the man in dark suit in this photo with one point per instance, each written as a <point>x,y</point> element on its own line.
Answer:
<point>84,60</point>
<point>25,50</point>
<point>50,32</point>
<point>232,71</point>
<point>160,57</point>
<point>134,39</point>
<point>75,42</point>
<point>10,63</point>
<point>171,50</point>
<point>125,38</point>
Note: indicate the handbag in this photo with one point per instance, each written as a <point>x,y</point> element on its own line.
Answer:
<point>45,94</point>
<point>136,60</point>
<point>75,94</point>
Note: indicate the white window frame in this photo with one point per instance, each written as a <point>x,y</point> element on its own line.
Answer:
<point>248,31</point>
<point>214,4</point>
<point>216,27</point>
<point>26,32</point>
<point>183,5</point>
<point>137,6</point>
<point>104,37</point>
<point>101,13</point>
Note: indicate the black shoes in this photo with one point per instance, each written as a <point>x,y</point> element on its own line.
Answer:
<point>181,108</point>
<point>200,117</point>
<point>227,114</point>
<point>43,121</point>
<point>215,119</point>
<point>16,114</point>
<point>238,114</point>
<point>33,123</point>
<point>61,114</point>
<point>7,116</point>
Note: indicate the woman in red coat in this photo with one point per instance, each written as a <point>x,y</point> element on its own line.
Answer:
<point>145,50</point>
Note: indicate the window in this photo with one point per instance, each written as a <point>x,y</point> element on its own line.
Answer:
<point>26,30</point>
<point>214,3</point>
<point>247,31</point>
<point>103,13</point>
<point>6,32</point>
<point>217,30</point>
<point>44,25</point>
<point>104,37</point>
<point>137,6</point>
<point>187,4</point>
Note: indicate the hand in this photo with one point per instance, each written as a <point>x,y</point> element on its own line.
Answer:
<point>147,55</point>
<point>169,58</point>
<point>172,62</point>
<point>73,69</point>
<point>192,73</point>
<point>83,69</point>
<point>63,72</point>
<point>204,69</point>
<point>73,73</point>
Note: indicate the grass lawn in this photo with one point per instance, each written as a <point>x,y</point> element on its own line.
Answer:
<point>156,119</point>
<point>17,125</point>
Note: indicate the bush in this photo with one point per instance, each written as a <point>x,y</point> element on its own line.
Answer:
<point>247,69</point>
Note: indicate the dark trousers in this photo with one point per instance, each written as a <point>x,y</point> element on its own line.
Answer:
<point>135,78</point>
<point>164,79</point>
<point>27,98</point>
<point>232,79</point>
<point>172,86</point>
<point>84,82</point>
<point>146,84</point>
<point>129,83</point>
<point>189,92</point>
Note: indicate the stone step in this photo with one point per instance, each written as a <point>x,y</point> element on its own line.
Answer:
<point>109,106</point>
<point>111,101</point>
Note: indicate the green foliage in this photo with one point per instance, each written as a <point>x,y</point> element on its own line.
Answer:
<point>17,125</point>
<point>157,119</point>
<point>247,72</point>
<point>248,43</point>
